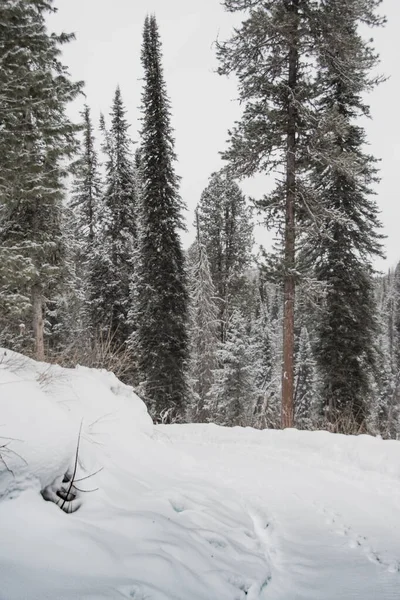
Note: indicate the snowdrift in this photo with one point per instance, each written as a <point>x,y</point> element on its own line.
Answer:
<point>185,512</point>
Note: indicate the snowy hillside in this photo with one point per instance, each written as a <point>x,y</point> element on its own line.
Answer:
<point>183,512</point>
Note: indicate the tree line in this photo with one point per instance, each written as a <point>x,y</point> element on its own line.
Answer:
<point>94,272</point>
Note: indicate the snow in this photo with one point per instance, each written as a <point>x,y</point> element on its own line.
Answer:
<point>185,512</point>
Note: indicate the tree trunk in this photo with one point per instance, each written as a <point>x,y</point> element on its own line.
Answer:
<point>38,322</point>
<point>289,240</point>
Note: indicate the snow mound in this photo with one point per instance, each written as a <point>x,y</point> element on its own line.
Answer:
<point>41,408</point>
<point>184,512</point>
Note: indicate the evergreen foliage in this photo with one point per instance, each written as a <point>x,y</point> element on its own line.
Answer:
<point>36,138</point>
<point>226,226</point>
<point>101,280</point>
<point>385,409</point>
<point>83,228</point>
<point>299,121</point>
<point>114,247</point>
<point>87,189</point>
<point>234,392</point>
<point>343,175</point>
<point>161,338</point>
<point>266,350</point>
<point>306,396</point>
<point>271,54</point>
<point>395,320</point>
<point>203,334</point>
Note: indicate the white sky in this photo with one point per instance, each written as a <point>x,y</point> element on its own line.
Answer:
<point>107,52</point>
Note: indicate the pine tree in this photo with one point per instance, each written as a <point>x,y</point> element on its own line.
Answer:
<point>234,392</point>
<point>36,138</point>
<point>385,410</point>
<point>114,246</point>
<point>70,319</point>
<point>395,320</point>
<point>161,338</point>
<point>343,175</point>
<point>306,398</point>
<point>271,54</point>
<point>226,227</point>
<point>384,407</point>
<point>203,333</point>
<point>264,360</point>
<point>133,313</point>
<point>84,209</point>
<point>87,188</point>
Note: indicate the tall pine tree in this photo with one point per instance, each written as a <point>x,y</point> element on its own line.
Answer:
<point>226,229</point>
<point>36,139</point>
<point>343,176</point>
<point>85,207</point>
<point>203,332</point>
<point>115,243</point>
<point>161,286</point>
<point>87,187</point>
<point>271,54</point>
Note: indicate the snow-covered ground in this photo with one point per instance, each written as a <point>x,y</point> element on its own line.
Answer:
<point>188,512</point>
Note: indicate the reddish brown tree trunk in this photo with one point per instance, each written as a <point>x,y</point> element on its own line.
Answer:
<point>290,232</point>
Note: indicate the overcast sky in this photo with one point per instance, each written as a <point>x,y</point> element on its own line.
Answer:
<point>106,53</point>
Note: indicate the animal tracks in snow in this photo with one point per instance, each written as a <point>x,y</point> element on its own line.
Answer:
<point>229,527</point>
<point>359,542</point>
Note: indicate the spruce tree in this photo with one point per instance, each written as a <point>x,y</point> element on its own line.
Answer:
<point>71,316</point>
<point>87,188</point>
<point>234,393</point>
<point>385,411</point>
<point>84,209</point>
<point>263,362</point>
<point>133,316</point>
<point>306,397</point>
<point>343,175</point>
<point>161,286</point>
<point>266,352</point>
<point>203,333</point>
<point>395,320</point>
<point>115,243</point>
<point>226,228</point>
<point>36,139</point>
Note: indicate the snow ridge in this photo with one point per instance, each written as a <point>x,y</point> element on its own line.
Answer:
<point>184,511</point>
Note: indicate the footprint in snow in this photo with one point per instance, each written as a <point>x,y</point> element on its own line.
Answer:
<point>177,506</point>
<point>247,589</point>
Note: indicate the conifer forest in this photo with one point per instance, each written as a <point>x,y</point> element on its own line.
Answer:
<point>93,270</point>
